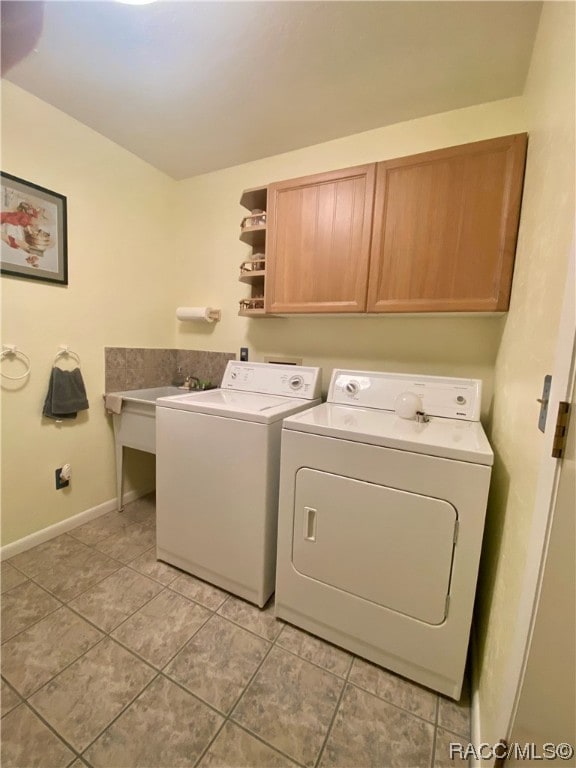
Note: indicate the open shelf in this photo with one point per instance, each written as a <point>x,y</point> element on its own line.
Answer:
<point>254,236</point>
<point>253,269</point>
<point>252,277</point>
<point>252,312</point>
<point>254,198</point>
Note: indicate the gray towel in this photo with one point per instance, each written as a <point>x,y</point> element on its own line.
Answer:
<point>66,394</point>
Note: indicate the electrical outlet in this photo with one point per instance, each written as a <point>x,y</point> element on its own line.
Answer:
<point>60,483</point>
<point>244,353</point>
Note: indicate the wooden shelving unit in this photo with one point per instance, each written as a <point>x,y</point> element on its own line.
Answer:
<point>253,270</point>
<point>252,277</point>
<point>254,236</point>
<point>256,197</point>
<point>251,313</point>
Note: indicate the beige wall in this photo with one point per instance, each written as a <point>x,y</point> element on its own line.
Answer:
<point>141,244</point>
<point>210,253</point>
<point>528,345</point>
<point>118,294</point>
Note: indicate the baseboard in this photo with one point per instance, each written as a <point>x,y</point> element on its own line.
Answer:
<point>39,537</point>
<point>475,719</point>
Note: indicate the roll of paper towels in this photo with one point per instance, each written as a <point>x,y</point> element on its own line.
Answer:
<point>204,314</point>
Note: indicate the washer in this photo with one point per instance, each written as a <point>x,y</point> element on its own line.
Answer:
<point>381,520</point>
<point>217,471</point>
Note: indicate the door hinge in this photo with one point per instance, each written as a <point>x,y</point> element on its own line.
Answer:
<point>561,431</point>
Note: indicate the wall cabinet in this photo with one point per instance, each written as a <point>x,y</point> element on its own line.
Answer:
<point>433,232</point>
<point>319,242</point>
<point>445,227</point>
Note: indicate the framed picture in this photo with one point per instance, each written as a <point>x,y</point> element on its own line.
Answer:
<point>33,227</point>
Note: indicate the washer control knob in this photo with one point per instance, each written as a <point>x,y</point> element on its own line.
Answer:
<point>233,374</point>
<point>408,405</point>
<point>351,387</point>
<point>461,399</point>
<point>296,382</point>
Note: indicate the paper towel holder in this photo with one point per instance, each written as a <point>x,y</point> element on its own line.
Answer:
<point>204,314</point>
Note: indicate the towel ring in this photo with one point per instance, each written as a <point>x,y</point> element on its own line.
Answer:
<point>66,352</point>
<point>13,351</point>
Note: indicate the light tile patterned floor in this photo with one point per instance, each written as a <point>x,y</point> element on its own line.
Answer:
<point>111,659</point>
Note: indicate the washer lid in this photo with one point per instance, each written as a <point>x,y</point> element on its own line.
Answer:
<point>446,438</point>
<point>247,406</point>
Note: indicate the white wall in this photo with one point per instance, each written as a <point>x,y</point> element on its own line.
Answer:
<point>120,289</point>
<point>552,676</point>
<point>528,345</point>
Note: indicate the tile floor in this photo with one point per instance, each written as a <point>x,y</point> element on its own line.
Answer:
<point>111,659</point>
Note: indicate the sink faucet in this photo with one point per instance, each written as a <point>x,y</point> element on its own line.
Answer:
<point>192,382</point>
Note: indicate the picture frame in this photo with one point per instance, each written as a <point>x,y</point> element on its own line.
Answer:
<point>33,227</point>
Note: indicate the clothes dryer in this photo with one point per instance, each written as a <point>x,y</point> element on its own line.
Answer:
<point>381,520</point>
<point>217,472</point>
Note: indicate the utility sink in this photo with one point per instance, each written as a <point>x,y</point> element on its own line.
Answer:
<point>148,395</point>
<point>135,427</point>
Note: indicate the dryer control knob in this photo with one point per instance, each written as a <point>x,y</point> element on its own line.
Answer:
<point>407,405</point>
<point>352,387</point>
<point>296,382</point>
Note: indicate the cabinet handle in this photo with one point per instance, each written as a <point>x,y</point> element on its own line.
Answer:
<point>310,524</point>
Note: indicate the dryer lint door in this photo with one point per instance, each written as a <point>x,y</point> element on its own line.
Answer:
<point>388,546</point>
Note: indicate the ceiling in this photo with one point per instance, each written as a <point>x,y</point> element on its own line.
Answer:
<point>192,87</point>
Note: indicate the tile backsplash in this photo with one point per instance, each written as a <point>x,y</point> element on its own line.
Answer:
<point>139,368</point>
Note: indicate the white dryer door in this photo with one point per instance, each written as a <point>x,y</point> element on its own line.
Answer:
<point>388,546</point>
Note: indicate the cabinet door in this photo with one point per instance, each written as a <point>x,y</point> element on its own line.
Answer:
<point>318,241</point>
<point>445,228</point>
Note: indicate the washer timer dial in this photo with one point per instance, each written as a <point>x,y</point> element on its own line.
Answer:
<point>295,382</point>
<point>352,387</point>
